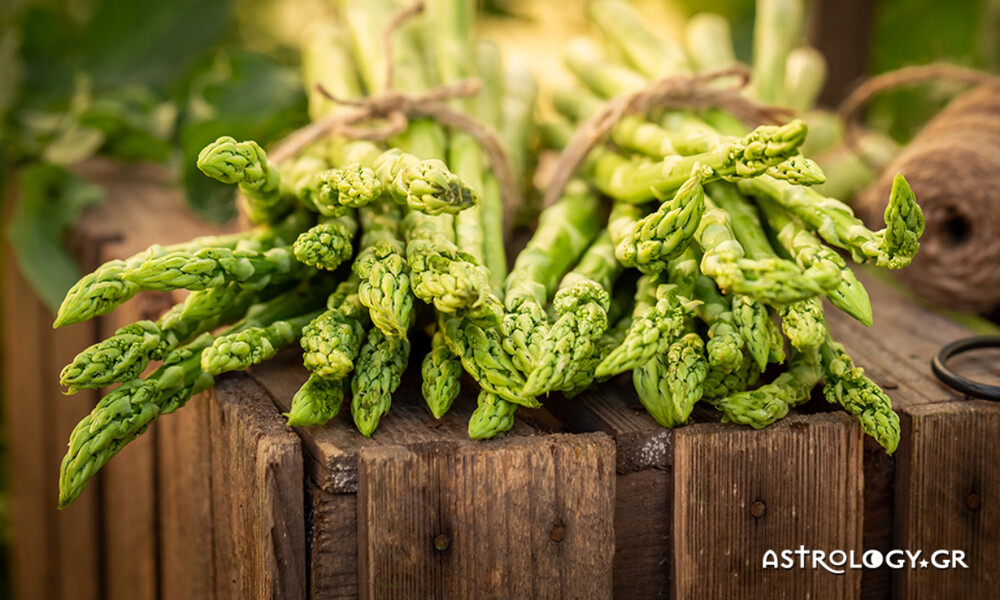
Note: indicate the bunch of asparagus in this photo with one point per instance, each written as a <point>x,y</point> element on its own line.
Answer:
<point>358,245</point>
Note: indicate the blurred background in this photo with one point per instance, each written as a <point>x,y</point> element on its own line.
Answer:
<point>141,82</point>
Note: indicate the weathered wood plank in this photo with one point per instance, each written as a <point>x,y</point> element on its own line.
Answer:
<point>643,506</point>
<point>185,503</point>
<point>333,551</point>
<point>523,519</point>
<point>947,498</point>
<point>258,495</point>
<point>332,450</point>
<point>33,527</point>
<point>78,538</point>
<point>739,492</point>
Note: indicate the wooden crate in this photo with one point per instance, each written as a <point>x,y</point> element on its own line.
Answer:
<point>585,499</point>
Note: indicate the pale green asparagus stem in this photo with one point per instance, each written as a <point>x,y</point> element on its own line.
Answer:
<point>809,252</point>
<point>709,42</point>
<point>805,74</point>
<point>760,407</point>
<point>664,234</point>
<point>660,316</point>
<point>669,386</point>
<point>893,247</point>
<point>492,417</point>
<point>776,32</point>
<point>98,293</point>
<point>623,27</point>
<point>581,306</point>
<point>212,267</point>
<point>252,346</point>
<point>380,367</point>
<point>316,402</point>
<point>125,355</point>
<point>848,386</point>
<point>245,164</point>
<point>482,354</point>
<point>563,233</point>
<point>442,372</point>
<point>126,412</point>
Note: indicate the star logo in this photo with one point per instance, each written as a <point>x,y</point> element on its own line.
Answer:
<point>924,564</point>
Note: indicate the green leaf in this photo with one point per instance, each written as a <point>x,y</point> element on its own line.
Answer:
<point>240,94</point>
<point>149,43</point>
<point>51,200</point>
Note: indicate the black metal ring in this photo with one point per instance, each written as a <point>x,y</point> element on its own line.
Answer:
<point>956,381</point>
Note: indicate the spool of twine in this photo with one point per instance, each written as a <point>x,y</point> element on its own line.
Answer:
<point>953,166</point>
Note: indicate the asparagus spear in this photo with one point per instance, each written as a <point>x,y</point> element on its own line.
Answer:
<point>125,355</point>
<point>664,234</point>
<point>331,341</point>
<point>563,233</point>
<point>246,164</point>
<point>768,403</point>
<point>776,32</point>
<point>482,354</point>
<point>377,374</point>
<point>637,181</point>
<point>670,385</point>
<point>441,371</point>
<point>808,251</point>
<point>658,319</point>
<point>126,412</point>
<point>316,402</point>
<point>332,190</point>
<point>725,344</point>
<point>892,247</point>
<point>719,384</point>
<point>581,304</point>
<point>622,26</point>
<point>329,243</point>
<point>493,416</point>
<point>848,386</point>
<point>98,293</point>
<point>265,331</point>
<point>385,275</point>
<point>753,322</point>
<point>709,42</point>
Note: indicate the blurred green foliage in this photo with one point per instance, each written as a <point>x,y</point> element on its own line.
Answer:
<point>131,81</point>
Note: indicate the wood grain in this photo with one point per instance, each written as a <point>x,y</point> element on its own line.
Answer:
<point>527,519</point>
<point>333,551</point>
<point>185,503</point>
<point>947,498</point>
<point>739,492</point>
<point>33,527</point>
<point>257,495</point>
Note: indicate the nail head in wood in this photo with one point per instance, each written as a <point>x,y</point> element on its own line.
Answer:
<point>558,533</point>
<point>973,501</point>
<point>441,542</point>
<point>758,509</point>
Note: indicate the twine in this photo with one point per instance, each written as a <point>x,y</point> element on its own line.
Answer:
<point>907,76</point>
<point>394,109</point>
<point>679,91</point>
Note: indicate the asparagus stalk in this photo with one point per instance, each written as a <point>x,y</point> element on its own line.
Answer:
<point>622,27</point>
<point>331,341</point>
<point>441,371</point>
<point>126,354</point>
<point>316,402</point>
<point>330,191</point>
<point>834,221</point>
<point>664,234</point>
<point>708,40</point>
<point>563,233</point>
<point>493,416</point>
<point>98,293</point>
<point>760,407</point>
<point>581,304</point>
<point>848,386</point>
<point>725,344</point>
<point>329,243</point>
<point>126,412</point>
<point>809,252</point>
<point>246,164</point>
<point>377,374</point>
<point>482,354</point>
<point>670,385</point>
<point>776,32</point>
